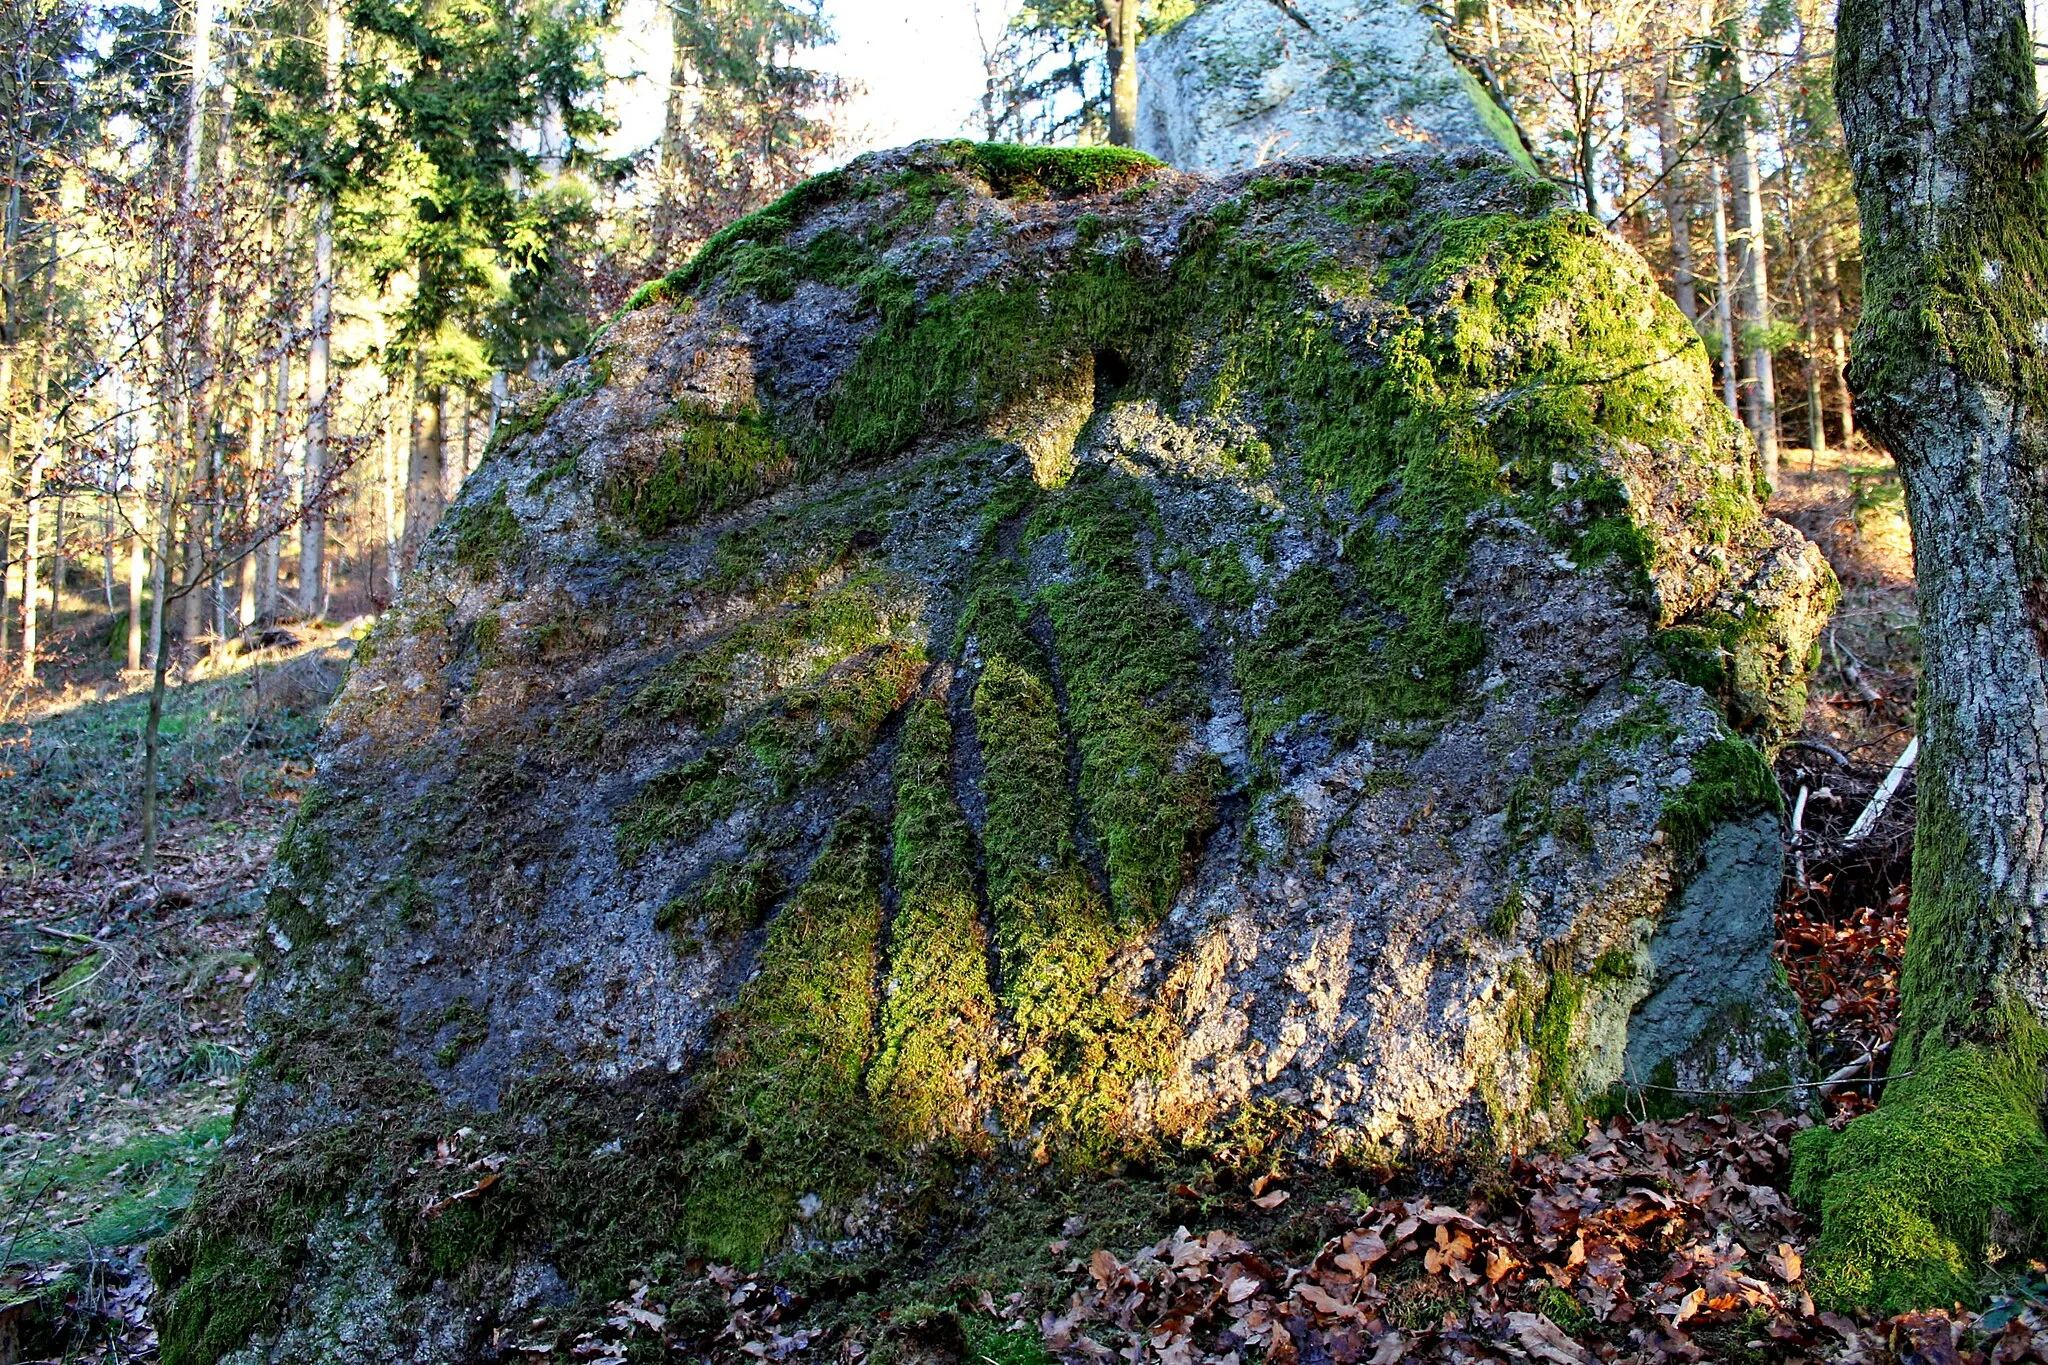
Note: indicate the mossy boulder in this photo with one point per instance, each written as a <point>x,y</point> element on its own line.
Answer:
<point>1016,661</point>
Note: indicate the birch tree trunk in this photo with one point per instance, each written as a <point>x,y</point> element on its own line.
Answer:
<point>1938,104</point>
<point>313,516</point>
<point>1756,290</point>
<point>1677,205</point>
<point>1724,294</point>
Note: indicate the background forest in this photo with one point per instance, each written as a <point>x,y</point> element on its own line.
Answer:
<point>273,273</point>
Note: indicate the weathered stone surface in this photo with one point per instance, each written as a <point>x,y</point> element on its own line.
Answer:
<point>1240,83</point>
<point>1017,657</point>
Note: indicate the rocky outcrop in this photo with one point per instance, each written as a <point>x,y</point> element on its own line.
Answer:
<point>1019,657</point>
<point>1244,82</point>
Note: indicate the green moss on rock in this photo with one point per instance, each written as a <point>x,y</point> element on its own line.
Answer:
<point>711,463</point>
<point>1083,1041</point>
<point>485,534</point>
<point>787,1100</point>
<point>1730,778</point>
<point>935,1056</point>
<point>1131,664</point>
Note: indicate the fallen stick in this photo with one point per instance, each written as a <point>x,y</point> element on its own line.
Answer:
<point>1882,797</point>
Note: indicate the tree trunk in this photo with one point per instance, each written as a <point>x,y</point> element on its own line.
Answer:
<point>1677,206</point>
<point>1724,294</point>
<point>1838,343</point>
<point>59,566</point>
<point>250,511</point>
<point>152,731</point>
<point>1938,101</point>
<point>194,624</point>
<point>31,555</point>
<point>39,463</point>
<point>160,573</point>
<point>425,485</point>
<point>1756,293</point>
<point>1118,20</point>
<point>501,401</point>
<point>138,567</point>
<point>313,518</point>
<point>107,552</point>
<point>393,498</point>
<point>1816,411</point>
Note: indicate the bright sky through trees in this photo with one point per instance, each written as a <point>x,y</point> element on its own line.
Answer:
<point>918,68</point>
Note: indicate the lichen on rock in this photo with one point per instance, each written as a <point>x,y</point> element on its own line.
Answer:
<point>1019,658</point>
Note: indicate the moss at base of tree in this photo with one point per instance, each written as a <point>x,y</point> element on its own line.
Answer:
<point>1909,1194</point>
<point>1913,1196</point>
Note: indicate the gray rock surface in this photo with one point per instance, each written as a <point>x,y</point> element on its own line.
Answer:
<point>1244,82</point>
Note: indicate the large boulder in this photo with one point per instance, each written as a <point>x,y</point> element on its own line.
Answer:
<point>1245,82</point>
<point>1020,659</point>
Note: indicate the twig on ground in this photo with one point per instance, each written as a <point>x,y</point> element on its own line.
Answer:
<point>1873,812</point>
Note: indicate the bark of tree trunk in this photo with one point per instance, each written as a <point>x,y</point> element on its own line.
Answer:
<point>1816,411</point>
<point>1938,103</point>
<point>138,568</point>
<point>424,487</point>
<point>1119,22</point>
<point>31,554</point>
<point>391,481</point>
<point>1677,204</point>
<point>1838,341</point>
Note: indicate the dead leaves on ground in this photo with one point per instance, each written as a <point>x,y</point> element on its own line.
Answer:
<point>1653,1242</point>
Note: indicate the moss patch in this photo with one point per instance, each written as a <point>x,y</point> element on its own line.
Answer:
<point>789,648</point>
<point>711,463</point>
<point>1083,1042</point>
<point>1907,1193</point>
<point>1131,664</point>
<point>485,535</point>
<point>1015,171</point>
<point>936,1059</point>
<point>788,1102</point>
<point>1729,778</point>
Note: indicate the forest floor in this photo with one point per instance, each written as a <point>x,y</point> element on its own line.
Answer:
<point>122,1029</point>
<point>121,991</point>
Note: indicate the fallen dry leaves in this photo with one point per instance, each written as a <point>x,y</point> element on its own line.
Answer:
<point>1658,1241</point>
